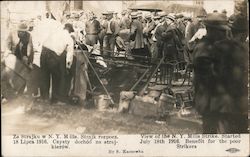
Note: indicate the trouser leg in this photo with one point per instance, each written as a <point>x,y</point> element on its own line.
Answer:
<point>45,75</point>
<point>232,123</point>
<point>209,124</point>
<point>106,45</point>
<point>112,44</point>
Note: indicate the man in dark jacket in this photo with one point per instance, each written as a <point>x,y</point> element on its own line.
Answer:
<point>220,79</point>
<point>92,29</point>
<point>168,40</point>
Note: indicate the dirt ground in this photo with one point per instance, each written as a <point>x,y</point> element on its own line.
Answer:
<point>24,115</point>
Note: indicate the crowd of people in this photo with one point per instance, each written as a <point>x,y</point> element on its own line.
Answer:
<point>214,44</point>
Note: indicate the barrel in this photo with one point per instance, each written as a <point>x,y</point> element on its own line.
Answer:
<point>102,102</point>
<point>166,103</point>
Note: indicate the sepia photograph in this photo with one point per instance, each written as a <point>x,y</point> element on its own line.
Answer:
<point>134,67</point>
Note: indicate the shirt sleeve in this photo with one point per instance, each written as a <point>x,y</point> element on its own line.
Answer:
<point>30,52</point>
<point>70,52</point>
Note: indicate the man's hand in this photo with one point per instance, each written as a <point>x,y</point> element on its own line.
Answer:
<point>68,65</point>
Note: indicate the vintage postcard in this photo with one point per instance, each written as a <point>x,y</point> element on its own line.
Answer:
<point>125,78</point>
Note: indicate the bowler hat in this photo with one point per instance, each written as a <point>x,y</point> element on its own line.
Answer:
<point>217,20</point>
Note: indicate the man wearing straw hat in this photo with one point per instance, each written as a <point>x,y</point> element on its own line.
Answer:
<point>21,44</point>
<point>220,79</point>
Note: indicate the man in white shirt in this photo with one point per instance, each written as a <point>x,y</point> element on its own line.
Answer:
<point>52,63</point>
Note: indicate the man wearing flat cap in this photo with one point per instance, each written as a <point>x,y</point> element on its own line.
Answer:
<point>220,79</point>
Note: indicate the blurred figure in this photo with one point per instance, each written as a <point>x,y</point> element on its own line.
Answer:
<point>220,79</point>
